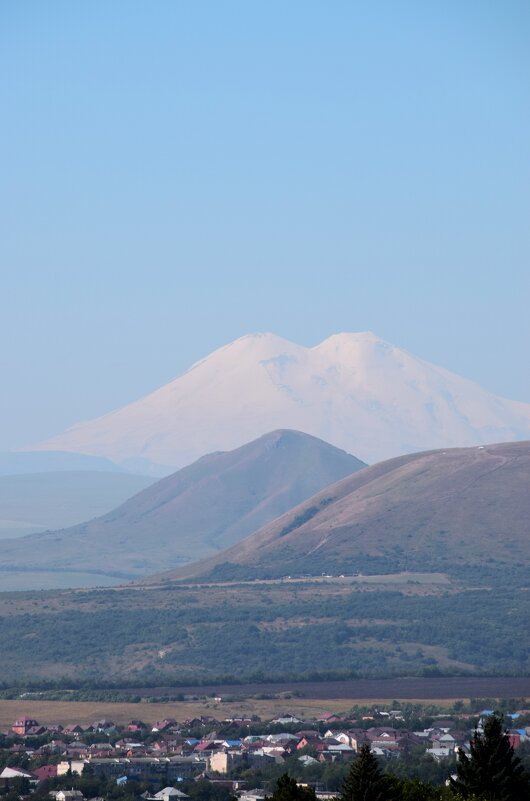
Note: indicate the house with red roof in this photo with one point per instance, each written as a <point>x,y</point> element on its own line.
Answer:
<point>23,724</point>
<point>136,726</point>
<point>45,772</point>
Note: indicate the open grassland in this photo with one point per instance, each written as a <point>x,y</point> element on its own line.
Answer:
<point>275,591</point>
<point>65,712</point>
<point>377,579</point>
<point>86,712</point>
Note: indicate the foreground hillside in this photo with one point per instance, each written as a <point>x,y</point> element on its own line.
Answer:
<point>458,510</point>
<point>412,624</point>
<point>198,511</point>
<point>353,389</point>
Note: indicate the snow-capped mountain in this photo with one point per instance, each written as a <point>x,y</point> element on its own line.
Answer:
<point>353,390</point>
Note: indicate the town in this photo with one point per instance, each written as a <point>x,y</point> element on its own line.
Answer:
<point>234,757</point>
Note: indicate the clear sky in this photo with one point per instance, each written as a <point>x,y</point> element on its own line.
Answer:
<point>176,174</point>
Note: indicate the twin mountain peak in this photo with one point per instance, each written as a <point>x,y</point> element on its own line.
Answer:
<point>353,390</point>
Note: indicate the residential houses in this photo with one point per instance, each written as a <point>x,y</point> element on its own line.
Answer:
<point>164,754</point>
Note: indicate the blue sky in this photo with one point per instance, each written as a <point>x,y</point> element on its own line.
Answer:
<point>175,175</point>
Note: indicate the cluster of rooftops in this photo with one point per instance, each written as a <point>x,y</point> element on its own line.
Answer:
<point>165,752</point>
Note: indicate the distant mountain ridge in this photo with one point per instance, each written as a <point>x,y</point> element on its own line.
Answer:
<point>355,391</point>
<point>198,511</point>
<point>454,510</point>
<point>51,461</point>
<point>34,502</point>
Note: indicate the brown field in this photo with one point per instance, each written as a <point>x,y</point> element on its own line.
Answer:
<point>362,691</point>
<point>64,712</point>
<point>339,696</point>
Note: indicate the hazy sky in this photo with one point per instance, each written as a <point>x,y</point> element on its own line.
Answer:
<point>177,174</point>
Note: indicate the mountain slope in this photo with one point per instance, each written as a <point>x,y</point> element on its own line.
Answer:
<point>198,511</point>
<point>39,501</point>
<point>352,390</point>
<point>455,510</point>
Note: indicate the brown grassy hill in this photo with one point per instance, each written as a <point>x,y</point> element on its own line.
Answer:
<point>197,511</point>
<point>449,510</point>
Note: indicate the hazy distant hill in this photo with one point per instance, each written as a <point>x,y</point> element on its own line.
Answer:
<point>447,510</point>
<point>40,501</point>
<point>355,391</point>
<point>198,511</point>
<point>20,463</point>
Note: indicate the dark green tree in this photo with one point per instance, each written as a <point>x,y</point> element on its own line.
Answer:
<point>288,789</point>
<point>416,790</point>
<point>491,771</point>
<point>203,790</point>
<point>366,781</point>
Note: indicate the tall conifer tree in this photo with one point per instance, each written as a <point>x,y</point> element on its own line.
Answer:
<point>288,789</point>
<point>491,771</point>
<point>366,781</point>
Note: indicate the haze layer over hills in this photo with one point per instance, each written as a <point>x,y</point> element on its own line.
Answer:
<point>198,511</point>
<point>455,510</point>
<point>39,501</point>
<point>50,461</point>
<point>355,391</point>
